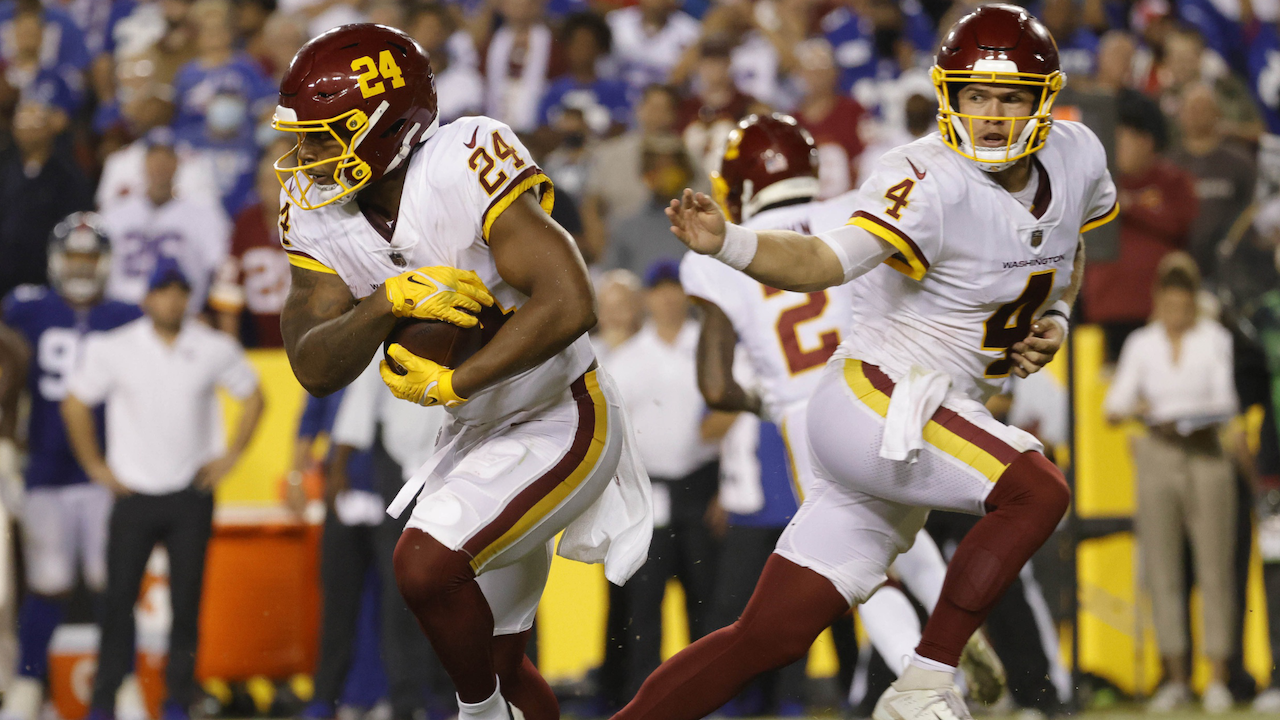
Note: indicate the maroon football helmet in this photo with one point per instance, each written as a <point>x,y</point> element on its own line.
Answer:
<point>997,45</point>
<point>371,88</point>
<point>768,159</point>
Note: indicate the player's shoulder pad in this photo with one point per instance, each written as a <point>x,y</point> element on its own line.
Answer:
<point>453,145</point>
<point>27,293</point>
<point>1077,144</point>
<point>926,162</point>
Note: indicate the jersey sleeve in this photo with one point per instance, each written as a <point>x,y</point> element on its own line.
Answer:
<point>303,252</point>
<point>699,276</point>
<point>1101,204</point>
<point>900,204</point>
<point>498,169</point>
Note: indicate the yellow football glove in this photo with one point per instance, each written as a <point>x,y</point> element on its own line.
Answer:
<point>425,382</point>
<point>438,293</point>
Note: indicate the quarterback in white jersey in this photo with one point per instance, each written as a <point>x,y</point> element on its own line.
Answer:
<point>767,179</point>
<point>385,216</point>
<point>980,226</point>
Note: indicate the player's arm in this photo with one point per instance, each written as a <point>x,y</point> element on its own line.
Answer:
<point>329,336</point>
<point>537,257</point>
<point>716,345</point>
<point>82,431</point>
<point>778,258</point>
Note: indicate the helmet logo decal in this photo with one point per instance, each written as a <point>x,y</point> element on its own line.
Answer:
<point>775,162</point>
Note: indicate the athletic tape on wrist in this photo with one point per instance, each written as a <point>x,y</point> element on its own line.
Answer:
<point>739,247</point>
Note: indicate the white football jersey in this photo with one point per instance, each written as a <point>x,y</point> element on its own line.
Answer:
<point>458,182</point>
<point>975,266</point>
<point>193,230</point>
<point>787,336</point>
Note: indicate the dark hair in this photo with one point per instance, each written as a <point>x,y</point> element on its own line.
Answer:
<point>1178,271</point>
<point>1137,112</point>
<point>432,8</point>
<point>594,24</point>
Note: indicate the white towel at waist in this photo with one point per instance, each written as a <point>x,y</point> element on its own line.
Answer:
<point>916,397</point>
<point>614,530</point>
<point>617,528</point>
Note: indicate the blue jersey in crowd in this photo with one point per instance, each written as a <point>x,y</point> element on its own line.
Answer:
<point>603,103</point>
<point>317,418</point>
<point>775,482</point>
<point>56,333</point>
<point>196,86</point>
<point>1264,73</point>
<point>852,39</point>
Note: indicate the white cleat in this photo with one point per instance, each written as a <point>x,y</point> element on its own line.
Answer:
<point>22,699</point>
<point>1169,697</point>
<point>921,695</point>
<point>983,671</point>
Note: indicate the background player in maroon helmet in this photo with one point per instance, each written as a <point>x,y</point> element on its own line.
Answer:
<point>376,188</point>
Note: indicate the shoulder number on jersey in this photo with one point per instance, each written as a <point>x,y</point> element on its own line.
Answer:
<point>284,225</point>
<point>484,164</point>
<point>799,359</point>
<point>898,195</point>
<point>1011,322</point>
<point>386,68</point>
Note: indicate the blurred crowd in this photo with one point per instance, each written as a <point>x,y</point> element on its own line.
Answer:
<point>156,114</point>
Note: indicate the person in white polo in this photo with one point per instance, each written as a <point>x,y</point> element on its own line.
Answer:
<point>165,454</point>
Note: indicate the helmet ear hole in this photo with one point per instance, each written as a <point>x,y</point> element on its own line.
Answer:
<point>394,129</point>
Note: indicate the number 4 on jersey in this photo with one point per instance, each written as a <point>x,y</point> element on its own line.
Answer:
<point>1011,323</point>
<point>898,195</point>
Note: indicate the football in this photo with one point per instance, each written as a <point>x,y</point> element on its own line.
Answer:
<point>434,340</point>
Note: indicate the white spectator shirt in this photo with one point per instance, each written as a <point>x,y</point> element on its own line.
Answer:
<point>514,85</point>
<point>194,231</point>
<point>1198,390</point>
<point>163,419</point>
<point>648,57</point>
<point>124,175</point>
<point>659,383</point>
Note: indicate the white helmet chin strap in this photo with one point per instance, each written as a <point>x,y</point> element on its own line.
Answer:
<point>993,159</point>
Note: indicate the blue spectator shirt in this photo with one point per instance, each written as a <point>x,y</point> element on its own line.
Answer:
<point>853,39</point>
<point>64,42</point>
<point>775,481</point>
<point>1264,72</point>
<point>195,86</point>
<point>603,102</point>
<point>317,418</point>
<point>56,332</point>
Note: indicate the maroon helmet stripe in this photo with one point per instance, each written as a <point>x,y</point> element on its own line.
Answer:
<point>910,243</point>
<point>524,501</point>
<point>950,420</point>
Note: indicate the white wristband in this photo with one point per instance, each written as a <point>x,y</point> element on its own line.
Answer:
<point>739,247</point>
<point>1059,313</point>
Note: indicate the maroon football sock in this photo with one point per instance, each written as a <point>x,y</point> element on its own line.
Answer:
<point>1022,511</point>
<point>522,684</point>
<point>440,588</point>
<point>791,605</point>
